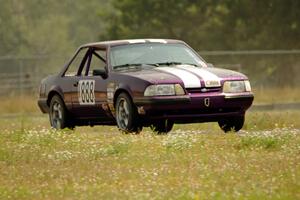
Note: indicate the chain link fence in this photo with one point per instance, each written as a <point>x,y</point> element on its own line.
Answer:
<point>22,75</point>
<point>265,69</point>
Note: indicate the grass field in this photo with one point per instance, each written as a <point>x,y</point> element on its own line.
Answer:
<point>276,95</point>
<point>195,161</point>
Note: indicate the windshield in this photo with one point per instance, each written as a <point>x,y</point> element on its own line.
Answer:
<point>153,54</point>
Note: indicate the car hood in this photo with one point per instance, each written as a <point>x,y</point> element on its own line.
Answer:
<point>226,73</point>
<point>153,76</point>
<point>190,76</point>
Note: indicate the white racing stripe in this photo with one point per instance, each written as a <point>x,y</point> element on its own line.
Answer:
<point>157,40</point>
<point>189,80</point>
<point>136,41</point>
<point>210,79</point>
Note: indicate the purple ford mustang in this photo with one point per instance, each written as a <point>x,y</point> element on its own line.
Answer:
<point>143,82</point>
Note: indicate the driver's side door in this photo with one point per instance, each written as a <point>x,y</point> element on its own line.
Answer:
<point>89,93</point>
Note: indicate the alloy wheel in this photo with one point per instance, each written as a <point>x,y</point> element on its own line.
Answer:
<point>123,113</point>
<point>56,115</point>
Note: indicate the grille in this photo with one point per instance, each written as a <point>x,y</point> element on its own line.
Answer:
<point>203,90</point>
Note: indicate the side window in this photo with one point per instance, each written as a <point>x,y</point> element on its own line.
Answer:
<point>74,66</point>
<point>97,61</point>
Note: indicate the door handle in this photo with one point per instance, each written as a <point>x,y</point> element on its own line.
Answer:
<point>75,84</point>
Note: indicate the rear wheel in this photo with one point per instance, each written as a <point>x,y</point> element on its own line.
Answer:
<point>126,115</point>
<point>162,127</point>
<point>232,124</point>
<point>58,114</point>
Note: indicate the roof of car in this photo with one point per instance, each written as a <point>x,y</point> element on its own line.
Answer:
<point>104,44</point>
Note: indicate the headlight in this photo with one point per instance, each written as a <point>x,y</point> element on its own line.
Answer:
<point>247,86</point>
<point>236,86</point>
<point>164,90</point>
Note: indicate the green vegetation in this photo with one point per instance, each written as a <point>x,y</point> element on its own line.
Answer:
<point>194,161</point>
<point>52,30</point>
<point>55,28</point>
<point>39,27</point>
<point>101,163</point>
<point>210,25</point>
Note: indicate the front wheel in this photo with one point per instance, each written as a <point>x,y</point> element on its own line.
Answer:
<point>162,127</point>
<point>126,115</point>
<point>58,114</point>
<point>232,124</point>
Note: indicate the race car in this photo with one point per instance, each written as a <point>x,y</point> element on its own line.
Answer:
<point>143,83</point>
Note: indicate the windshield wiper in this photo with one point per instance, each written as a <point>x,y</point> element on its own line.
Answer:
<point>175,63</point>
<point>133,65</point>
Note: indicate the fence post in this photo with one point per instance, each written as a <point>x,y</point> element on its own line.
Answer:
<point>21,76</point>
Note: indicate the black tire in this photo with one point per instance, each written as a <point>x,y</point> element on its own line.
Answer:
<point>232,124</point>
<point>58,114</point>
<point>162,127</point>
<point>127,115</point>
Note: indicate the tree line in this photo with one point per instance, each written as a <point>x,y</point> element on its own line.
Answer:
<point>43,27</point>
<point>52,27</point>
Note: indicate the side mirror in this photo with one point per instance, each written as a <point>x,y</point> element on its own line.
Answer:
<point>100,72</point>
<point>210,65</point>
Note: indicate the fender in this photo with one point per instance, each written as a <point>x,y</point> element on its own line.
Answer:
<point>113,91</point>
<point>124,87</point>
<point>54,90</point>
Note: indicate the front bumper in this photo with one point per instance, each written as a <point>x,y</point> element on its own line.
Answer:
<point>162,100</point>
<point>42,103</point>
<point>203,107</point>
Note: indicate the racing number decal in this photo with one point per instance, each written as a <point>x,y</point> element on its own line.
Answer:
<point>86,91</point>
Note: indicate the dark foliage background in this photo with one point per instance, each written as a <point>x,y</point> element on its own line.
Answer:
<point>57,28</point>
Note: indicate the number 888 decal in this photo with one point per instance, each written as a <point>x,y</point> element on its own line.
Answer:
<point>86,90</point>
